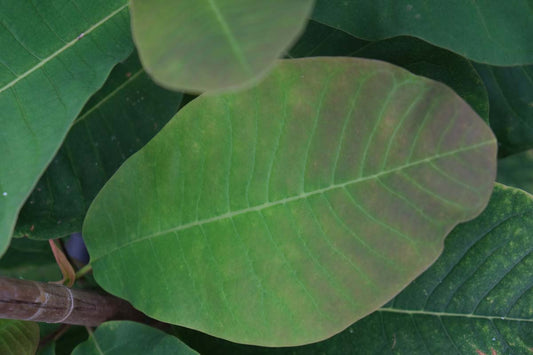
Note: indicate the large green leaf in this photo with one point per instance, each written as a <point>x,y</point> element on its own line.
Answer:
<point>486,31</point>
<point>517,170</point>
<point>511,106</point>
<point>118,120</point>
<point>130,338</point>
<point>53,56</point>
<point>18,337</point>
<point>281,214</point>
<point>477,296</point>
<point>201,45</point>
<point>413,54</point>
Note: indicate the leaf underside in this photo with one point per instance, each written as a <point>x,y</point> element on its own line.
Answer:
<point>213,45</point>
<point>282,214</point>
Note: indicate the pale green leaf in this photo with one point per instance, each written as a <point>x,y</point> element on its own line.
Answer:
<point>18,337</point>
<point>130,338</point>
<point>486,31</point>
<point>477,296</point>
<point>54,55</point>
<point>201,45</point>
<point>282,214</point>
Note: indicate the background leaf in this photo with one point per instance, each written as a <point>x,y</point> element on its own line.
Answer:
<point>493,32</point>
<point>517,170</point>
<point>477,296</point>
<point>18,337</point>
<point>125,337</point>
<point>46,76</point>
<point>511,106</point>
<point>355,173</point>
<point>196,46</point>
<point>118,120</point>
<point>413,54</point>
<point>30,260</point>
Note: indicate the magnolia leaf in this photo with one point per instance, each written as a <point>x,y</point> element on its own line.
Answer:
<point>130,338</point>
<point>52,61</point>
<point>476,297</point>
<point>511,106</point>
<point>319,40</point>
<point>413,54</point>
<point>29,259</point>
<point>517,170</point>
<point>18,337</point>
<point>435,63</point>
<point>209,45</point>
<point>493,32</point>
<point>117,121</point>
<point>282,214</point>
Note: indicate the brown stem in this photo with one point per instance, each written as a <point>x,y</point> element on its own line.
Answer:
<point>51,303</point>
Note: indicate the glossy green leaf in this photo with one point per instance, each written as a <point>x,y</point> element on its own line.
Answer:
<point>281,214</point>
<point>18,337</point>
<point>511,106</point>
<point>201,45</point>
<point>415,55</point>
<point>517,170</point>
<point>54,56</point>
<point>493,32</point>
<point>320,40</point>
<point>130,338</point>
<point>477,296</point>
<point>118,120</point>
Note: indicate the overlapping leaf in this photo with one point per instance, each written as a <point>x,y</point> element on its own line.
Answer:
<point>130,338</point>
<point>475,299</point>
<point>281,214</point>
<point>201,45</point>
<point>18,337</point>
<point>493,32</point>
<point>118,120</point>
<point>511,106</point>
<point>54,56</point>
<point>517,170</point>
<point>415,55</point>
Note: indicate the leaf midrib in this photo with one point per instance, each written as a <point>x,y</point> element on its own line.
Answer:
<point>449,314</point>
<point>294,198</point>
<point>62,49</point>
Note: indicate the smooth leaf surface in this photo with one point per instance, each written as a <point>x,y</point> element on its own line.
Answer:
<point>51,62</point>
<point>29,259</point>
<point>511,106</point>
<point>18,337</point>
<point>493,32</point>
<point>281,214</point>
<point>117,121</point>
<point>213,45</point>
<point>477,296</point>
<point>517,170</point>
<point>435,63</point>
<point>413,54</point>
<point>130,338</point>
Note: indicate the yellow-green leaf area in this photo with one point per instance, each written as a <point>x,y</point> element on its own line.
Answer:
<point>281,214</point>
